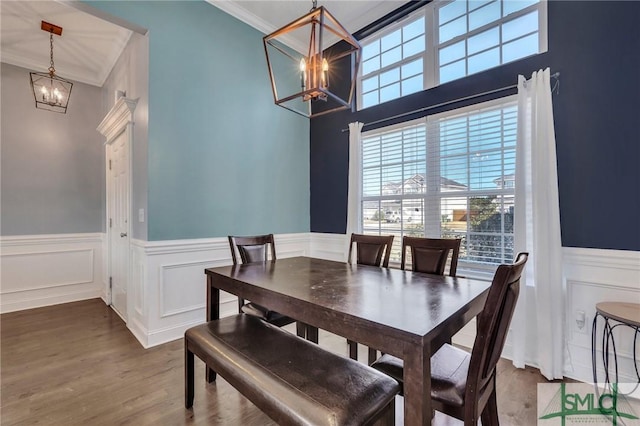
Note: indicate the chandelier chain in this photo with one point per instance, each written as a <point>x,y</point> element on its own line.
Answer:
<point>51,68</point>
<point>315,5</point>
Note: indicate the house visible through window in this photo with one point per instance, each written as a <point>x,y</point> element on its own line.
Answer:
<point>448,40</point>
<point>450,175</point>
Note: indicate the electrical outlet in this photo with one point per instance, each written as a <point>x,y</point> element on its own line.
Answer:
<point>580,321</point>
<point>141,215</point>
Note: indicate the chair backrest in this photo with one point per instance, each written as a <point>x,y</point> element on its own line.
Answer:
<point>371,248</point>
<point>252,249</point>
<point>493,325</point>
<point>430,255</point>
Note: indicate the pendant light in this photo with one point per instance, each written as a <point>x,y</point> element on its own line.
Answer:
<point>321,77</point>
<point>50,91</point>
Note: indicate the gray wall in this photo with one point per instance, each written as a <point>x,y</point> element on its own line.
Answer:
<point>131,74</point>
<point>52,165</point>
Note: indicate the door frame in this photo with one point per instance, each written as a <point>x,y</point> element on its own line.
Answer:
<point>117,121</point>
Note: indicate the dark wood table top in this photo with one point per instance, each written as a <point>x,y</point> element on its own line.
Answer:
<point>402,313</point>
<point>339,297</point>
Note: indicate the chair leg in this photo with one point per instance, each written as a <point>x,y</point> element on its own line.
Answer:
<point>188,377</point>
<point>373,355</point>
<point>489,415</point>
<point>353,349</point>
<point>301,329</point>
<point>211,375</point>
<point>312,334</point>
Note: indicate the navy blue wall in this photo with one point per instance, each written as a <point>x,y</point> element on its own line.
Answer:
<point>596,48</point>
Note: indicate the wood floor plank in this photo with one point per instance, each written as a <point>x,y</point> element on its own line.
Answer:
<point>78,364</point>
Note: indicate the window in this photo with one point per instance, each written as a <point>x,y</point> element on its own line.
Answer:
<point>393,63</point>
<point>448,40</point>
<point>450,175</point>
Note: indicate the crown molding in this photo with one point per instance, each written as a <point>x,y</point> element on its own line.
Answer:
<point>234,9</point>
<point>118,117</point>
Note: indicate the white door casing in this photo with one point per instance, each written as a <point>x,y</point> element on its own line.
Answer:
<point>118,215</point>
<point>117,127</point>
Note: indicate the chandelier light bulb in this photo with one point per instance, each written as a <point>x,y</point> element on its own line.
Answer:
<point>325,73</point>
<point>303,73</point>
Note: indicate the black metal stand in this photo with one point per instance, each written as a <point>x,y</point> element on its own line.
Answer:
<point>609,348</point>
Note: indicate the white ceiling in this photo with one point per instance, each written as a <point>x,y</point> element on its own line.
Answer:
<point>89,46</point>
<point>270,15</point>
<point>86,51</point>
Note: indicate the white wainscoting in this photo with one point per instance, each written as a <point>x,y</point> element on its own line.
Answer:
<point>593,276</point>
<point>167,290</point>
<point>168,283</point>
<point>42,270</point>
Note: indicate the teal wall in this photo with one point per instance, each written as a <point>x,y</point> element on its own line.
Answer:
<point>222,158</point>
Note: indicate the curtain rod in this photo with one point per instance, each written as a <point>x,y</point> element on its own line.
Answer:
<point>477,95</point>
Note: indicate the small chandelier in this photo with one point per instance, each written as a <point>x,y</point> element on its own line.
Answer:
<point>300,80</point>
<point>50,91</point>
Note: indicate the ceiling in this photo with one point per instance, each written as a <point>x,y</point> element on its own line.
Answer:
<point>90,46</point>
<point>86,52</point>
<point>269,15</point>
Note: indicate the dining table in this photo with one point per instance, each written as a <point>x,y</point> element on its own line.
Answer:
<point>403,313</point>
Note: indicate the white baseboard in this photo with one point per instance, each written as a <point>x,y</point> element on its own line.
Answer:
<point>42,270</point>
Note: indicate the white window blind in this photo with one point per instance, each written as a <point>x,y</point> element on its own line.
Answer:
<point>450,175</point>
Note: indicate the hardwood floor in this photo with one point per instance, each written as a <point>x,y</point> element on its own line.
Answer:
<point>77,364</point>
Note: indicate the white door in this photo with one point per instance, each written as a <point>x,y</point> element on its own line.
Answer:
<point>118,209</point>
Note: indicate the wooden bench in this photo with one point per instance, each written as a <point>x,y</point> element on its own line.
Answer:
<point>295,382</point>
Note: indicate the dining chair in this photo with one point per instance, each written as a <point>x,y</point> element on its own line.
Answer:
<point>430,255</point>
<point>259,248</point>
<point>463,384</point>
<point>372,250</point>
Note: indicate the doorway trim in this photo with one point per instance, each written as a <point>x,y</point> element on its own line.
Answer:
<point>118,120</point>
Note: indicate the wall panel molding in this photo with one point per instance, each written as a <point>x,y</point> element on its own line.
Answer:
<point>171,276</point>
<point>26,240</point>
<point>42,270</point>
<point>593,276</point>
<point>619,259</point>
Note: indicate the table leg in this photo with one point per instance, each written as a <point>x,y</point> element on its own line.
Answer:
<point>213,313</point>
<point>417,385</point>
<point>188,377</point>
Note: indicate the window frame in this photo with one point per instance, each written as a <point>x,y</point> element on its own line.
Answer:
<point>414,16</point>
<point>430,54</point>
<point>432,222</point>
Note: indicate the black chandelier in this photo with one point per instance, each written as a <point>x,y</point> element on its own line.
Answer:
<point>50,91</point>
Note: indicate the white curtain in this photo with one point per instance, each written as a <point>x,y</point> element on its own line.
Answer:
<point>354,205</point>
<point>537,230</point>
